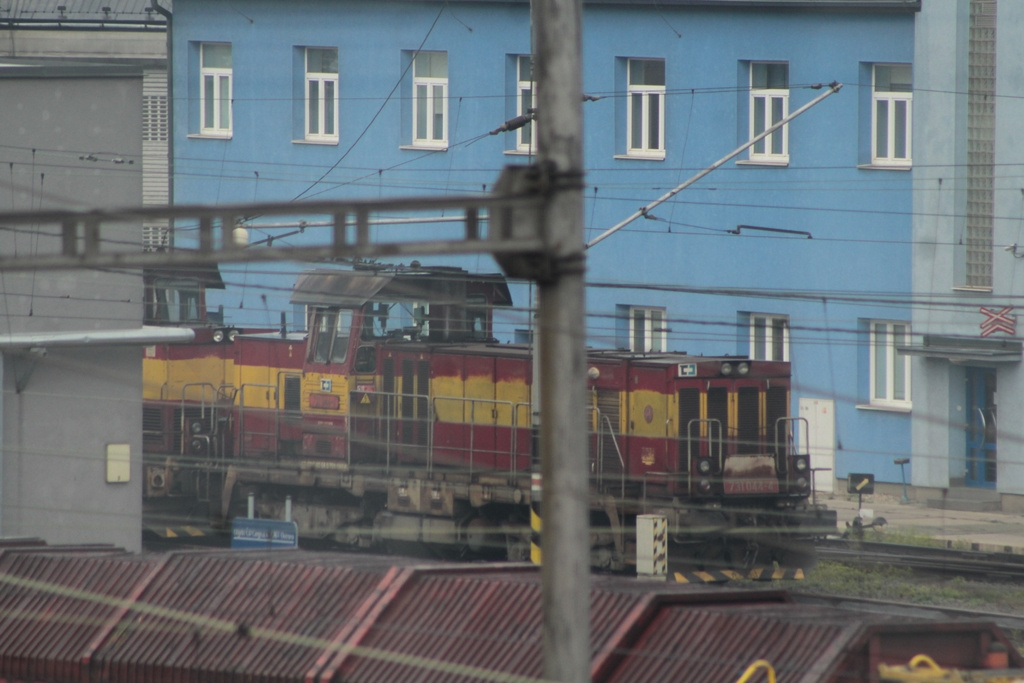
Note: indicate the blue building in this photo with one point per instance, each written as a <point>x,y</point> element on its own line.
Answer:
<point>798,249</point>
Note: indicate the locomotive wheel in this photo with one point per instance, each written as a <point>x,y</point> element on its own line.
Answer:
<point>796,554</point>
<point>484,538</point>
<point>736,554</point>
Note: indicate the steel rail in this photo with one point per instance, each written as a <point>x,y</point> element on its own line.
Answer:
<point>973,564</point>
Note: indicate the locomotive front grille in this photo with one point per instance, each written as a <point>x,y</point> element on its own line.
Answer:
<point>748,429</point>
<point>153,429</point>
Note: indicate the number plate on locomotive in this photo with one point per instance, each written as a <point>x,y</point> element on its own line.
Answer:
<point>747,486</point>
<point>750,474</point>
<point>324,401</point>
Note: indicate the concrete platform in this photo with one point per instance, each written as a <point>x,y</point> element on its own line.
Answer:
<point>988,530</point>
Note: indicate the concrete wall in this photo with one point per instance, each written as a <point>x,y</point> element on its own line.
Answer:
<point>60,410</point>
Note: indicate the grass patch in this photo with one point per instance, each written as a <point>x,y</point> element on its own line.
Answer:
<point>914,538</point>
<point>900,584</point>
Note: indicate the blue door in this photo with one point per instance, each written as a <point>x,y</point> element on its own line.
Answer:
<point>981,427</point>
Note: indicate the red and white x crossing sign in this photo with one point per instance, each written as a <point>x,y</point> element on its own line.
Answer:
<point>998,321</point>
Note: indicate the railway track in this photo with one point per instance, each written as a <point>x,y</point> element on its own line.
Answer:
<point>970,564</point>
<point>1010,622</point>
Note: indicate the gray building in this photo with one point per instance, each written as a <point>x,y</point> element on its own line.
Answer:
<point>84,111</point>
<point>968,272</point>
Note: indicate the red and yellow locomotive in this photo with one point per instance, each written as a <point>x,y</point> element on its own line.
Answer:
<point>400,420</point>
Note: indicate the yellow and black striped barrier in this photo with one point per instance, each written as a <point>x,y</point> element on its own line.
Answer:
<point>535,520</point>
<point>708,576</point>
<point>177,532</point>
<point>724,575</point>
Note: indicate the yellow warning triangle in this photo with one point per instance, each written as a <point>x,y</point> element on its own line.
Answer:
<point>366,399</point>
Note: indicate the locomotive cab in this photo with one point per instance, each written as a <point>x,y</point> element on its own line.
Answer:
<point>353,315</point>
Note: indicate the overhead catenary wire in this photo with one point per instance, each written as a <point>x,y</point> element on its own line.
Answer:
<point>833,88</point>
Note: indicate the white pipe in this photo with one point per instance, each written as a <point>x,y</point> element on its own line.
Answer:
<point>147,334</point>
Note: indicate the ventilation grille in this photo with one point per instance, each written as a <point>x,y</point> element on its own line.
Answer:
<point>154,118</point>
<point>749,427</point>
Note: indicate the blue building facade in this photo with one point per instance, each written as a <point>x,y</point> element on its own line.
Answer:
<point>798,249</point>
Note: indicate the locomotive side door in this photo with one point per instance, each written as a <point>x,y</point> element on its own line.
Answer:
<point>648,420</point>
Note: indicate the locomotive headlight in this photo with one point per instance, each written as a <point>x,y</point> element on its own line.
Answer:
<point>743,368</point>
<point>218,336</point>
<point>196,426</point>
<point>726,369</point>
<point>801,483</point>
<point>704,486</point>
<point>800,465</point>
<point>704,466</point>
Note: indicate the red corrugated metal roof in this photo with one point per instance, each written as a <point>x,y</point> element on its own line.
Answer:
<point>241,616</point>
<point>54,606</point>
<point>292,616</point>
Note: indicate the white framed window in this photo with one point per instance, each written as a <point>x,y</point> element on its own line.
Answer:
<point>769,337</point>
<point>648,330</point>
<point>769,104</point>
<point>321,94</point>
<point>645,112</point>
<point>215,88</point>
<point>892,99</point>
<point>430,100</point>
<point>524,101</point>
<point>890,370</point>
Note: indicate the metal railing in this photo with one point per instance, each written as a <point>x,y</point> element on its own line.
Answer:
<point>274,408</point>
<point>603,420</point>
<point>708,426</point>
<point>787,440</point>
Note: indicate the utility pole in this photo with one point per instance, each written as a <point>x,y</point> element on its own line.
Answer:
<point>565,539</point>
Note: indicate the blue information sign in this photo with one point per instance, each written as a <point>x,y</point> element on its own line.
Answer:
<point>266,534</point>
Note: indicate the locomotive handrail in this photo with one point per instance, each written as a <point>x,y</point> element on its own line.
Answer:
<point>202,397</point>
<point>241,415</point>
<point>183,426</point>
<point>711,423</point>
<point>513,424</point>
<point>227,392</point>
<point>515,434</point>
<point>386,412</point>
<point>789,440</point>
<point>600,446</point>
<point>390,412</point>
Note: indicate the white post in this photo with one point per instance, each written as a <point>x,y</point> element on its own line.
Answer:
<point>652,546</point>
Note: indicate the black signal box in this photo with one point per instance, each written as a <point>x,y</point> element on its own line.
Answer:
<point>863,484</point>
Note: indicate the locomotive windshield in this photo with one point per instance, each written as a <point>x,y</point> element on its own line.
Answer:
<point>329,334</point>
<point>403,319</point>
<point>173,301</point>
<point>419,320</point>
